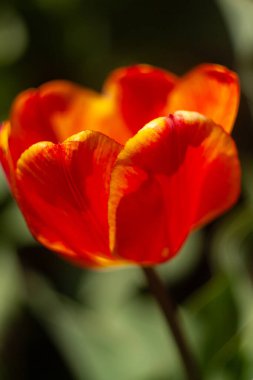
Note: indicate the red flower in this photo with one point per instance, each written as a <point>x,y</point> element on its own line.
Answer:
<point>102,188</point>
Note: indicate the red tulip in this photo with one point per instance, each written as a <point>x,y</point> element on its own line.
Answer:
<point>124,176</point>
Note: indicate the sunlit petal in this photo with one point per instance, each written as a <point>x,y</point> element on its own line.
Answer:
<point>5,157</point>
<point>211,90</point>
<point>63,194</point>
<point>140,93</point>
<point>173,175</point>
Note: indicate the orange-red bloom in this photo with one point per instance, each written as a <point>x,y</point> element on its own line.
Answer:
<point>124,176</point>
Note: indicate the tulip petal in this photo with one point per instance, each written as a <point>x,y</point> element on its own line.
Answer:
<point>62,190</point>
<point>5,158</point>
<point>58,110</point>
<point>48,113</point>
<point>174,175</point>
<point>211,90</point>
<point>140,92</point>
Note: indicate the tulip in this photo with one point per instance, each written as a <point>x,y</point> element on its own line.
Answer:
<point>124,176</point>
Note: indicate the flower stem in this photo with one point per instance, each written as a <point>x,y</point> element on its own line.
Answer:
<point>167,306</point>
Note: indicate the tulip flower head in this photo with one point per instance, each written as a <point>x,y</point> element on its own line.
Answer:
<point>124,176</point>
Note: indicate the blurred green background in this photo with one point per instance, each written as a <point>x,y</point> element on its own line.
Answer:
<point>60,322</point>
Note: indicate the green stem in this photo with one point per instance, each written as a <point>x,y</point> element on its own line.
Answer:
<point>165,302</point>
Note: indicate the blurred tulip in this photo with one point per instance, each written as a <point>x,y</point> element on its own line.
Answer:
<point>124,176</point>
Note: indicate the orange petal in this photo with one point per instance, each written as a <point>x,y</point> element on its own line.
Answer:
<point>63,194</point>
<point>174,175</point>
<point>57,110</point>
<point>140,93</point>
<point>5,158</point>
<point>211,90</point>
<point>44,114</point>
<point>79,109</point>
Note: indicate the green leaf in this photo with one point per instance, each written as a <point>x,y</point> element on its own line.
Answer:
<point>127,342</point>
